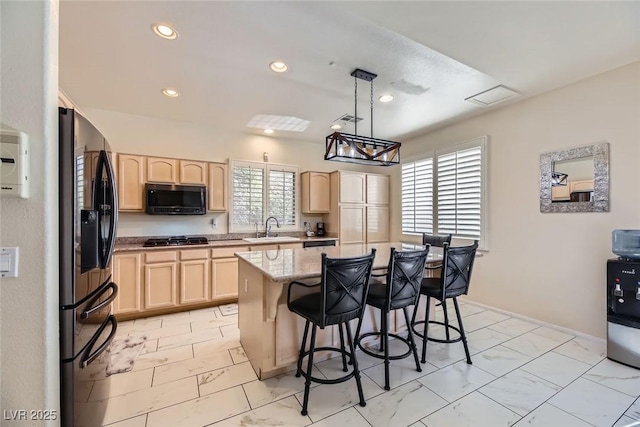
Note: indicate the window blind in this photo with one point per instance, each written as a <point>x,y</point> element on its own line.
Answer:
<point>248,195</point>
<point>459,192</point>
<point>282,196</point>
<point>417,196</point>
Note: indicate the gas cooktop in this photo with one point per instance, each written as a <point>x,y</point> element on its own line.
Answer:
<point>176,241</point>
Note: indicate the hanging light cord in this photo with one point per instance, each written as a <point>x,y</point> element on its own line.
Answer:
<point>371,108</point>
<point>355,119</point>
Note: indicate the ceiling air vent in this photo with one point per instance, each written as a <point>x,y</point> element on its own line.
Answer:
<point>348,118</point>
<point>492,96</point>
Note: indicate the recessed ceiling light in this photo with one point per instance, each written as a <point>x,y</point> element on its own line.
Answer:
<point>170,92</point>
<point>386,98</point>
<point>269,131</point>
<point>165,31</point>
<point>278,66</point>
<point>336,127</point>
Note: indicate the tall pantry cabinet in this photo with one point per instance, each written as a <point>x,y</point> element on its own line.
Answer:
<point>359,208</point>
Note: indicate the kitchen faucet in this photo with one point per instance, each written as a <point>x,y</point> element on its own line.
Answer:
<point>267,226</point>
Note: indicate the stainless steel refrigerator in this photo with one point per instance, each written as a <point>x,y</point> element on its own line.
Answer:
<point>88,217</point>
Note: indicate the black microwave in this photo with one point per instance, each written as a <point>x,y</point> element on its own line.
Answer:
<point>167,199</point>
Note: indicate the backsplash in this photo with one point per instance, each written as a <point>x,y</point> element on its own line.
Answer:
<point>140,224</point>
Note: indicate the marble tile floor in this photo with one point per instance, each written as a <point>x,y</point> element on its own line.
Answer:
<point>193,372</point>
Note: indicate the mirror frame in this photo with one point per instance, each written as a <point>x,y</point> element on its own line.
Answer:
<point>600,203</point>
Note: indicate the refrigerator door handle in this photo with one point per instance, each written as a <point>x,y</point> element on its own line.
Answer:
<point>88,356</point>
<point>89,296</point>
<point>91,305</point>
<point>101,202</point>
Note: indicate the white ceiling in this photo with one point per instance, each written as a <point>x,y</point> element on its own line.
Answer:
<point>110,58</point>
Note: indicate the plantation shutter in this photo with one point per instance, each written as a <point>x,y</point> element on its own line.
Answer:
<point>417,196</point>
<point>248,195</point>
<point>282,195</point>
<point>459,192</point>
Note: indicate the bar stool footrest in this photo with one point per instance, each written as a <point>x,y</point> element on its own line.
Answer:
<point>381,355</point>
<point>324,380</point>
<point>435,322</point>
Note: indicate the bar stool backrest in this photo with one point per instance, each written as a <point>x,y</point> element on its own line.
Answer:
<point>436,239</point>
<point>457,265</point>
<point>344,288</point>
<point>404,277</point>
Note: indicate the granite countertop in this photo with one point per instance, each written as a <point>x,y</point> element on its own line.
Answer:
<point>134,244</point>
<point>295,264</point>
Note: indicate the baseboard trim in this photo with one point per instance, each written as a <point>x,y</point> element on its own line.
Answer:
<point>538,322</point>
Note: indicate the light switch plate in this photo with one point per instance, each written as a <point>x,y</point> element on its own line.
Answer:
<point>9,262</point>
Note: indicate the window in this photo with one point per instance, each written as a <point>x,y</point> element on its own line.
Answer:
<point>260,190</point>
<point>446,193</point>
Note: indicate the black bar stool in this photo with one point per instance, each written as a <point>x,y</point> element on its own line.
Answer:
<point>457,265</point>
<point>435,240</point>
<point>401,290</point>
<point>341,298</point>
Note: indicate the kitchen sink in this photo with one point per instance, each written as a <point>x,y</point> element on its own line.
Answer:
<point>271,239</point>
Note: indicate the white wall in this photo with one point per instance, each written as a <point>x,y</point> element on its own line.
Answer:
<point>551,266</point>
<point>132,134</point>
<point>29,353</point>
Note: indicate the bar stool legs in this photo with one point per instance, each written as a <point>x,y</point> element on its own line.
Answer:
<point>426,327</point>
<point>462,334</point>
<point>344,353</point>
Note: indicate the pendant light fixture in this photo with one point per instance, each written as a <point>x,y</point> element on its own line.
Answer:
<point>354,148</point>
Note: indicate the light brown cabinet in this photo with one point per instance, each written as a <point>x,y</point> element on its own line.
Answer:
<point>160,285</point>
<point>224,278</point>
<point>192,172</point>
<point>217,187</point>
<point>162,170</point>
<point>352,224</point>
<point>352,187</point>
<point>131,178</point>
<point>194,276</point>
<point>359,207</point>
<point>127,273</point>
<point>377,224</point>
<point>316,191</point>
<point>160,279</point>
<point>377,189</point>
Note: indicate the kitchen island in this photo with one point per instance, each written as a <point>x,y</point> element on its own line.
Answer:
<point>269,332</point>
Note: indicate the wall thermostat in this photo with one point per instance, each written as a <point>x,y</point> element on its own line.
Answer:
<point>14,163</point>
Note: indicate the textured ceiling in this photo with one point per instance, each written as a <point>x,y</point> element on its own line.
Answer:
<point>110,59</point>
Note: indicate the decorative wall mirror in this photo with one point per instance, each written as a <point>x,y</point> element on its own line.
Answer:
<point>575,180</point>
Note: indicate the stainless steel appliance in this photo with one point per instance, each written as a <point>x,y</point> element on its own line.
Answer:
<point>87,233</point>
<point>164,199</point>
<point>320,230</point>
<point>623,299</point>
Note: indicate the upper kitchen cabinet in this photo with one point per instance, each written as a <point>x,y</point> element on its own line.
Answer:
<point>352,186</point>
<point>131,177</point>
<point>162,170</point>
<point>315,192</point>
<point>377,189</point>
<point>193,172</point>
<point>217,187</point>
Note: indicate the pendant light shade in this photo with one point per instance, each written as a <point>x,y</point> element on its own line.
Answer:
<point>354,148</point>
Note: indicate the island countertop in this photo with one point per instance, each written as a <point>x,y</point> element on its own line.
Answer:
<point>295,264</point>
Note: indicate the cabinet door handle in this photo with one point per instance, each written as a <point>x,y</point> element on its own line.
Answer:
<point>246,283</point>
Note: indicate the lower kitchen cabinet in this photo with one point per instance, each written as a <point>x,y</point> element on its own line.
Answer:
<point>194,281</point>
<point>127,274</point>
<point>160,285</point>
<point>224,278</point>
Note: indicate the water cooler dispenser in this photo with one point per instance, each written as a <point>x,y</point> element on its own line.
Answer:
<point>623,299</point>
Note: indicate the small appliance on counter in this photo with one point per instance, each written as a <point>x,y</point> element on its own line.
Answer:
<point>320,230</point>
<point>623,299</point>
